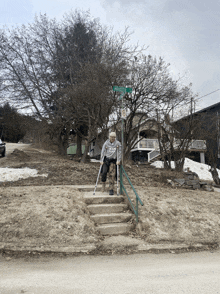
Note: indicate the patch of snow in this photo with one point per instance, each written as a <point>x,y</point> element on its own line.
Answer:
<point>201,169</point>
<point>15,174</point>
<point>94,160</point>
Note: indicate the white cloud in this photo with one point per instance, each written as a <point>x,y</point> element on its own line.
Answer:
<point>185,33</point>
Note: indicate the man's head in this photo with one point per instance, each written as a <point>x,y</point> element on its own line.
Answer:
<point>112,137</point>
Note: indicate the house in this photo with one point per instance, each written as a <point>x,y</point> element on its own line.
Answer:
<point>147,141</point>
<point>71,150</point>
<point>208,124</point>
<point>95,147</point>
<point>147,147</point>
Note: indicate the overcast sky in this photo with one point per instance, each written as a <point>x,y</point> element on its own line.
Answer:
<point>185,33</point>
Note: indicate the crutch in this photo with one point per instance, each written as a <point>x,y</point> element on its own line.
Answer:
<point>98,175</point>
<point>97,179</point>
<point>117,173</point>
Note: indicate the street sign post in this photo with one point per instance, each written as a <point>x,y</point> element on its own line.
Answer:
<point>123,113</point>
<point>123,90</point>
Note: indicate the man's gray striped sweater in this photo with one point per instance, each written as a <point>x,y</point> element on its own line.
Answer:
<point>110,150</point>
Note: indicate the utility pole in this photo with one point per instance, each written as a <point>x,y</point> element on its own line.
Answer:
<point>191,106</point>
<point>191,110</point>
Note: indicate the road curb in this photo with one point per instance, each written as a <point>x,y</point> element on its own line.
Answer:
<point>10,248</point>
<point>155,248</point>
<point>93,249</point>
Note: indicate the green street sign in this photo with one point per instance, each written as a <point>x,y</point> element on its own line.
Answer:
<point>122,89</point>
<point>129,90</point>
<point>119,89</point>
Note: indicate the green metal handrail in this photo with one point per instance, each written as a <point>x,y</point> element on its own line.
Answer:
<point>122,188</point>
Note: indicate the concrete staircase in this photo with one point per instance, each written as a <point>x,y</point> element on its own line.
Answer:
<point>110,213</point>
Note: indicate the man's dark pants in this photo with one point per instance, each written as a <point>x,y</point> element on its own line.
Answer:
<point>109,165</point>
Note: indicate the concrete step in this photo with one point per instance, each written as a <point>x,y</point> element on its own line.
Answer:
<point>99,193</point>
<point>111,218</point>
<point>99,199</point>
<point>107,208</point>
<point>115,228</point>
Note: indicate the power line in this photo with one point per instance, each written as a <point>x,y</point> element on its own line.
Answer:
<point>201,97</point>
<point>207,94</point>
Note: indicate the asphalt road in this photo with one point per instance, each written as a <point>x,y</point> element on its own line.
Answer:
<point>197,273</point>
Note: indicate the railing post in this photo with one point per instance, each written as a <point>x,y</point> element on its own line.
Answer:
<point>121,180</point>
<point>136,209</point>
<point>123,191</point>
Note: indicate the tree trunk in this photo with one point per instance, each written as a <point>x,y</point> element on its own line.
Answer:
<point>179,164</point>
<point>87,143</point>
<point>79,145</point>
<point>167,164</point>
<point>63,144</point>
<point>179,159</point>
<point>83,160</point>
<point>215,174</point>
<point>165,157</point>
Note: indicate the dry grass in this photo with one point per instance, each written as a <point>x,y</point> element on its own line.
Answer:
<point>48,215</point>
<point>178,215</point>
<point>44,216</point>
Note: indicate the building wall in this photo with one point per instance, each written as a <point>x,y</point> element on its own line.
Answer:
<point>96,148</point>
<point>209,120</point>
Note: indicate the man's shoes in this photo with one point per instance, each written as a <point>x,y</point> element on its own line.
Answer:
<point>111,192</point>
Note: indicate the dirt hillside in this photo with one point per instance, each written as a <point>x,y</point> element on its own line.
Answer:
<point>44,210</point>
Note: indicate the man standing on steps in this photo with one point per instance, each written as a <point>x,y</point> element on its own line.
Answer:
<point>110,151</point>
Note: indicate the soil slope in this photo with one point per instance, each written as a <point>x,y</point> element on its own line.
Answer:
<point>44,211</point>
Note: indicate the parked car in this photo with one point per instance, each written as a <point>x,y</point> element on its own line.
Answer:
<point>2,148</point>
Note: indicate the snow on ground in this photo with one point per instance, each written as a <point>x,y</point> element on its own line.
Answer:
<point>201,169</point>
<point>94,160</point>
<point>15,174</point>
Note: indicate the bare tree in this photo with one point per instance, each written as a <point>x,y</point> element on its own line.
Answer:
<point>95,103</point>
<point>44,68</point>
<point>175,140</point>
<point>12,128</point>
<point>208,130</point>
<point>153,90</point>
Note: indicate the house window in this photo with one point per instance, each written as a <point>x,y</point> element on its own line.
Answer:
<point>93,143</point>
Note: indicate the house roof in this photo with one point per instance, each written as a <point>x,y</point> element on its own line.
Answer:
<point>209,108</point>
